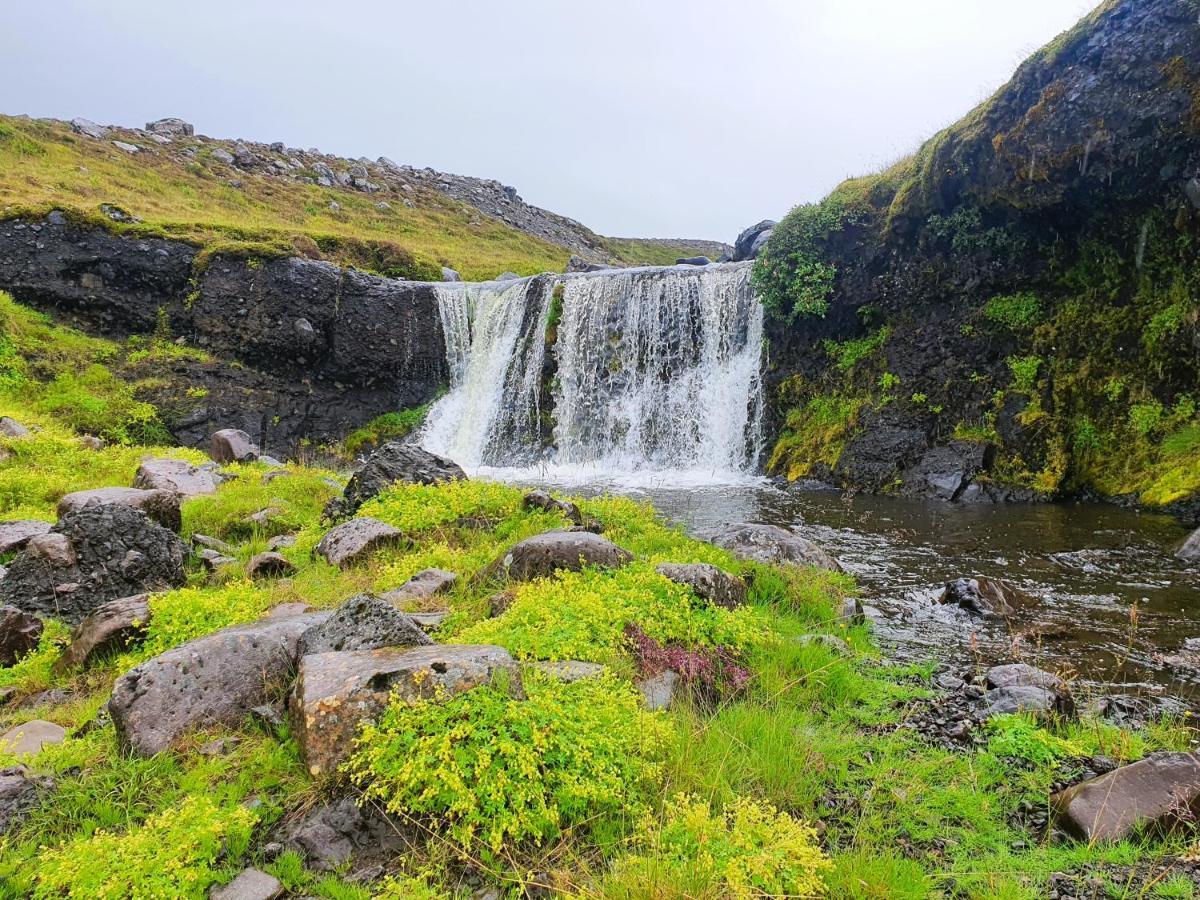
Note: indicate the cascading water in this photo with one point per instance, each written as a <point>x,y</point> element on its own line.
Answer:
<point>651,370</point>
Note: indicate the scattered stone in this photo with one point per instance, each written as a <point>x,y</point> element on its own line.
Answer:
<point>1024,699</point>
<point>232,446</point>
<point>92,556</point>
<point>215,679</point>
<point>269,565</point>
<point>693,261</point>
<point>707,582</point>
<point>1190,551</point>
<point>543,501</point>
<point>19,634</point>
<point>449,274</point>
<point>334,833</point>
<point>20,792</point>
<point>212,560</point>
<point>263,518</point>
<point>269,714</point>
<point>281,542</point>
<point>212,543</point>
<point>570,670</point>
<point>352,541</point>
<point>1156,792</point>
<point>160,505</point>
<point>250,884</point>
<point>1134,712</point>
<point>752,240</point>
<point>987,597</point>
<point>222,155</point>
<point>1022,675</point>
<point>771,544</point>
<point>659,690</point>
<point>337,692</point>
<point>88,128</point>
<point>11,428</point>
<point>393,462</point>
<point>425,584</point>
<point>115,625</point>
<point>29,738</point>
<point>363,622</point>
<point>91,442</point>
<point>544,554</point>
<point>171,127</point>
<point>851,612</point>
<point>429,621</point>
<point>499,603</point>
<point>177,475</point>
<point>828,641</point>
<point>15,535</point>
<point>127,147</point>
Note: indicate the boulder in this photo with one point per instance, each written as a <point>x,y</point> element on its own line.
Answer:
<point>20,792</point>
<point>707,582</point>
<point>544,554</point>
<point>215,679</point>
<point>112,626</point>
<point>269,565</point>
<point>11,428</point>
<point>352,541</point>
<point>15,535</point>
<point>127,147</point>
<point>771,544</point>
<point>161,506</point>
<point>250,884</point>
<point>658,691</point>
<point>212,543</point>
<point>1022,675</point>
<point>751,241</point>
<point>1020,699</point>
<point>92,556</point>
<point>543,501</point>
<point>333,833</point>
<point>229,445</point>
<point>337,692</point>
<point>171,127</point>
<point>212,560</point>
<point>178,476</point>
<point>693,261</point>
<point>1190,551</point>
<point>1158,792</point>
<point>944,473</point>
<point>992,598</point>
<point>19,634</point>
<point>426,583</point>
<point>579,264</point>
<point>363,622</point>
<point>449,274</point>
<point>393,462</point>
<point>88,128</point>
<point>569,670</point>
<point>29,738</point>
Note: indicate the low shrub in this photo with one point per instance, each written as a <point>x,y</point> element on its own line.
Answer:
<point>1014,311</point>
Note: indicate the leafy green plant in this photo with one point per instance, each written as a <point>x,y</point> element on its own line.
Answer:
<point>390,426</point>
<point>848,354</point>
<point>1020,737</point>
<point>919,399</point>
<point>889,380</point>
<point>1025,371</point>
<point>1014,311</point>
<point>1145,418</point>
<point>790,273</point>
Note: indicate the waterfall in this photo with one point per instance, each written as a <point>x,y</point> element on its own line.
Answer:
<point>651,370</point>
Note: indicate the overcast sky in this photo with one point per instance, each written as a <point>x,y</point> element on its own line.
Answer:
<point>656,118</point>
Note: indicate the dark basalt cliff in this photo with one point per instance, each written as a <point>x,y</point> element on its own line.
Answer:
<point>1012,312</point>
<point>300,349</point>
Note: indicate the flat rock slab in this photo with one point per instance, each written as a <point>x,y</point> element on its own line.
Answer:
<point>20,792</point>
<point>15,535</point>
<point>353,541</point>
<point>250,884</point>
<point>992,598</point>
<point>544,554</point>
<point>336,692</point>
<point>178,476</point>
<point>112,626</point>
<point>770,544</point>
<point>215,679</point>
<point>29,738</point>
<point>230,445</point>
<point>20,633</point>
<point>393,463</point>
<point>1156,792</point>
<point>363,622</point>
<point>159,505</point>
<point>707,582</point>
<point>426,583</point>
<point>335,833</point>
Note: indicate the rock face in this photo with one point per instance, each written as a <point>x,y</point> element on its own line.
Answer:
<point>214,679</point>
<point>751,241</point>
<point>19,634</point>
<point>1190,551</point>
<point>544,554</point>
<point>771,544</point>
<point>946,472</point>
<point>20,792</point>
<point>177,475</point>
<point>15,535</point>
<point>426,583</point>
<point>112,626</point>
<point>231,445</point>
<point>160,505</point>
<point>363,622</point>
<point>992,598</point>
<point>1157,792</point>
<point>352,541</point>
<point>394,462</point>
<point>707,582</point>
<point>336,692</point>
<point>97,554</point>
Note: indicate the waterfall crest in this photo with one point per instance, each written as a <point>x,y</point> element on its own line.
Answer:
<point>645,370</point>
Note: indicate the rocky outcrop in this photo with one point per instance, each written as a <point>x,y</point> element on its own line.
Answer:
<point>707,582</point>
<point>544,554</point>
<point>393,463</point>
<point>770,544</point>
<point>1190,551</point>
<point>97,554</point>
<point>751,241</point>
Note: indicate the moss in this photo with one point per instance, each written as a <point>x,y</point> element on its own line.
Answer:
<point>815,433</point>
<point>387,427</point>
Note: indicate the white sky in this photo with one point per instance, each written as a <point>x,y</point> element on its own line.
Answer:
<point>650,118</point>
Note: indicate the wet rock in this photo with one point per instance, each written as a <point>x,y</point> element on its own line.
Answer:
<point>851,612</point>
<point>569,670</point>
<point>1157,792</point>
<point>1024,699</point>
<point>20,793</point>
<point>92,556</point>
<point>1190,551</point>
<point>751,241</point>
<point>336,692</point>
<point>987,597</point>
<point>544,554</point>
<point>878,453</point>
<point>161,506</point>
<point>363,622</point>
<point>770,544</point>
<point>215,679</point>
<point>29,738</point>
<point>113,626</point>
<point>177,475</point>
<point>250,884</point>
<point>19,634</point>
<point>659,691</point>
<point>693,261</point>
<point>339,832</point>
<point>269,565</point>
<point>393,462</point>
<point>543,501</point>
<point>1022,675</point>
<point>1133,712</point>
<point>15,535</point>
<point>353,541</point>
<point>11,428</point>
<point>426,583</point>
<point>707,582</point>
<point>230,445</point>
<point>944,472</point>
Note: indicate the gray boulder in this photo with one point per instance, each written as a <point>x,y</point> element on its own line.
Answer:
<point>334,833</point>
<point>707,582</point>
<point>1155,793</point>
<point>250,884</point>
<point>11,428</point>
<point>544,554</point>
<point>20,793</point>
<point>171,127</point>
<point>159,505</point>
<point>15,535</point>
<point>92,556</point>
<point>991,598</point>
<point>20,633</point>
<point>659,691</point>
<point>178,476</point>
<point>426,583</point>
<point>230,445</point>
<point>1190,551</point>
<point>1022,675</point>
<point>751,241</point>
<point>771,544</point>
<point>352,541</point>
<point>28,738</point>
<point>88,128</point>
<point>693,261</point>
<point>449,274</point>
<point>112,626</point>
<point>393,462</point>
<point>213,680</point>
<point>269,565</point>
<point>363,622</point>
